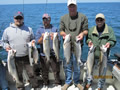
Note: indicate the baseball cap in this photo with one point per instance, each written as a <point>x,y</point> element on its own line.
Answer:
<point>46,16</point>
<point>71,2</point>
<point>18,14</point>
<point>100,15</point>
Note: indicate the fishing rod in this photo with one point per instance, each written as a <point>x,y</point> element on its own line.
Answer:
<point>46,6</point>
<point>23,6</point>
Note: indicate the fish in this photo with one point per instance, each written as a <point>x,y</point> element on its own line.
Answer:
<point>56,45</point>
<point>89,63</point>
<point>33,53</point>
<point>77,46</point>
<point>84,73</point>
<point>90,59</point>
<point>103,53</point>
<point>67,48</point>
<point>30,54</point>
<point>103,48</point>
<point>46,45</point>
<point>11,65</point>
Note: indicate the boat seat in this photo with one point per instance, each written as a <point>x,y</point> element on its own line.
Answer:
<point>117,55</point>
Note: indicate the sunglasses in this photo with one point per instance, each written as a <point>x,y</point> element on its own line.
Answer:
<point>19,17</point>
<point>46,19</point>
<point>99,20</point>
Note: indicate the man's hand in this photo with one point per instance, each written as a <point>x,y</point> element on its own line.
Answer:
<point>63,34</point>
<point>8,48</point>
<point>42,35</point>
<point>33,42</point>
<point>90,44</point>
<point>51,36</point>
<point>107,45</point>
<point>80,36</point>
<point>41,38</point>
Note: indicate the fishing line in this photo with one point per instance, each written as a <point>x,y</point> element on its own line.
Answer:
<point>23,11</point>
<point>23,6</point>
<point>46,6</point>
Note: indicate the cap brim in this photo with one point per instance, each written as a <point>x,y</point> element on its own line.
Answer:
<point>18,16</point>
<point>100,17</point>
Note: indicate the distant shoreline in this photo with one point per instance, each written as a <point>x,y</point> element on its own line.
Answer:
<point>62,3</point>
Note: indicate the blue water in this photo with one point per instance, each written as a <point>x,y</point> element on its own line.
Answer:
<point>33,17</point>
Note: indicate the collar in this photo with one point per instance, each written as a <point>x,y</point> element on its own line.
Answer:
<point>51,26</point>
<point>104,31</point>
<point>74,17</point>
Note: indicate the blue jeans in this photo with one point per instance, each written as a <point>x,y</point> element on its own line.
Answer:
<point>72,69</point>
<point>3,81</point>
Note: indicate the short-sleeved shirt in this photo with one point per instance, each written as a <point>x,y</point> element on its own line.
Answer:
<point>43,30</point>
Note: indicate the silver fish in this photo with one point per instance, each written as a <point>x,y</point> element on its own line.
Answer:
<point>77,47</point>
<point>84,73</point>
<point>103,53</point>
<point>56,45</point>
<point>67,48</point>
<point>46,45</point>
<point>103,48</point>
<point>30,54</point>
<point>90,60</point>
<point>11,65</point>
<point>33,54</point>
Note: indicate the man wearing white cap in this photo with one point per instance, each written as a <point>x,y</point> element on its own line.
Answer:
<point>99,35</point>
<point>75,24</point>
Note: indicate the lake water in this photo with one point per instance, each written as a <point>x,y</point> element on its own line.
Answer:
<point>33,17</point>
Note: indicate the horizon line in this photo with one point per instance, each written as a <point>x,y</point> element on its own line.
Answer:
<point>55,3</point>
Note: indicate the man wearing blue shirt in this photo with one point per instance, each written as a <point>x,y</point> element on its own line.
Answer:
<point>47,27</point>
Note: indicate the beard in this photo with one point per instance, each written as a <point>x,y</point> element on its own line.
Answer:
<point>20,24</point>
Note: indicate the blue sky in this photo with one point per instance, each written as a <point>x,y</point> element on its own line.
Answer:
<point>50,1</point>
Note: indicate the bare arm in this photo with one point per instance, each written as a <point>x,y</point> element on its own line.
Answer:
<point>40,40</point>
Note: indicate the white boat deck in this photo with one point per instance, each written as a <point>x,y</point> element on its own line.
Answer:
<point>72,87</point>
<point>111,83</point>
